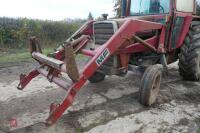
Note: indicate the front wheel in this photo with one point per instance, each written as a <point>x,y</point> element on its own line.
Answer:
<point>150,85</point>
<point>97,77</point>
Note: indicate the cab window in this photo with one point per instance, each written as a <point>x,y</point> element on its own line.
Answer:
<point>149,7</point>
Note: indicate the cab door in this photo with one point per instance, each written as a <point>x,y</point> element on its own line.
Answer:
<point>181,21</point>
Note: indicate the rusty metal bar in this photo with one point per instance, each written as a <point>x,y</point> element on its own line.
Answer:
<point>59,66</point>
<point>34,45</point>
<point>71,67</point>
<point>48,60</point>
<point>68,67</point>
<point>62,83</point>
<point>144,43</point>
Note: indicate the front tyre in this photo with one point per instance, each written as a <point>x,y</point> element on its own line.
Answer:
<point>150,85</point>
<point>97,77</point>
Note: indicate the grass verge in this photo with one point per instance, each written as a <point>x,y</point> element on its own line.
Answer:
<point>17,55</point>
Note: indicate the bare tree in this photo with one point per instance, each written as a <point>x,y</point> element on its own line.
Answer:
<point>90,17</point>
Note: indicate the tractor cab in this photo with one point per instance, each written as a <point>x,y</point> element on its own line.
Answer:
<point>171,13</point>
<point>155,7</point>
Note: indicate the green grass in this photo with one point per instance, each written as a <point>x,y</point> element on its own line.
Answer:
<point>18,55</point>
<point>78,130</point>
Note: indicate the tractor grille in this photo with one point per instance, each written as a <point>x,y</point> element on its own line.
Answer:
<point>103,31</point>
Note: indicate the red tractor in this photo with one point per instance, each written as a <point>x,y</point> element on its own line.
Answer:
<point>150,34</point>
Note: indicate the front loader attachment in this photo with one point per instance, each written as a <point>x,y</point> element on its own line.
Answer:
<point>63,60</point>
<point>53,69</point>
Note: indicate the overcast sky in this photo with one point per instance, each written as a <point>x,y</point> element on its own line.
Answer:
<point>55,9</point>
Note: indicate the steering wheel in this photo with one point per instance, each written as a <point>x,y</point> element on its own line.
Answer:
<point>161,9</point>
<point>156,8</point>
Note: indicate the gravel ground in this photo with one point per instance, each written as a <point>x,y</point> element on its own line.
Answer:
<point>110,106</point>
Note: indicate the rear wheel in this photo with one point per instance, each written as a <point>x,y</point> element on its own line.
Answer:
<point>97,77</point>
<point>189,58</point>
<point>150,85</point>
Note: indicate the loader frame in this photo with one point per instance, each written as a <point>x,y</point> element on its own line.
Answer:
<point>123,43</point>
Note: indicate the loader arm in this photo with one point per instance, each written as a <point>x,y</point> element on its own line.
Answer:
<point>78,78</point>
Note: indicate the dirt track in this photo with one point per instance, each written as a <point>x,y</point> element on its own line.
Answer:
<point>108,106</point>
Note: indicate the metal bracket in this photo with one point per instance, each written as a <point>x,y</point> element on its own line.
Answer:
<point>24,80</point>
<point>144,43</point>
<point>163,61</point>
<point>71,67</point>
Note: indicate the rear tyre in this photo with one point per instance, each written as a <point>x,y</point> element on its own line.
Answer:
<point>189,57</point>
<point>97,77</point>
<point>150,85</point>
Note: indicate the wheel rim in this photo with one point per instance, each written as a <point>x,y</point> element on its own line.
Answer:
<point>155,89</point>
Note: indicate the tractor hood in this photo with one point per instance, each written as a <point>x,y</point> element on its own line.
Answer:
<point>104,30</point>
